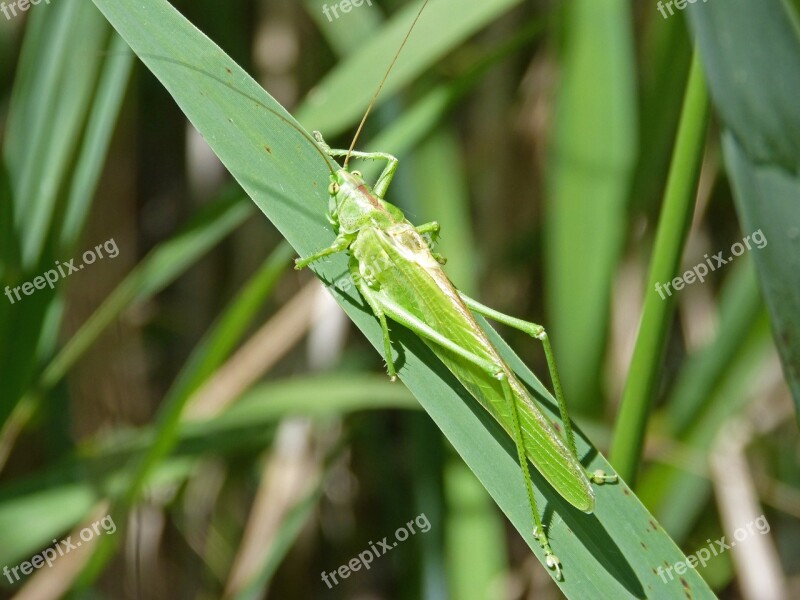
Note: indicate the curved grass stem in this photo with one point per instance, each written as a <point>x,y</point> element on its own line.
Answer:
<point>673,228</point>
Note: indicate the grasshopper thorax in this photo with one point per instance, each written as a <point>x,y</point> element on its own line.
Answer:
<point>353,205</point>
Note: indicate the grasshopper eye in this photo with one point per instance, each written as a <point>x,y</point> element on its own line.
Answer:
<point>357,174</point>
<point>333,188</point>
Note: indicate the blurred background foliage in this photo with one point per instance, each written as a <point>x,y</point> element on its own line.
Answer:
<point>543,144</point>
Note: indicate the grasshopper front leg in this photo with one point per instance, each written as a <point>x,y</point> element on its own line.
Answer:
<point>385,178</point>
<point>340,244</point>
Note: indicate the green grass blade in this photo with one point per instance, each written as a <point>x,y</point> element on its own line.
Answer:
<point>664,65</point>
<point>673,227</point>
<point>43,137</point>
<point>113,80</point>
<point>754,87</point>
<point>476,554</point>
<point>592,154</point>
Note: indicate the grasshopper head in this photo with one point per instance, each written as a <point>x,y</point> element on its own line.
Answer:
<point>351,202</point>
<point>344,184</point>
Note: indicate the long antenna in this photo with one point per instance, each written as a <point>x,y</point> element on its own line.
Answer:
<point>380,87</point>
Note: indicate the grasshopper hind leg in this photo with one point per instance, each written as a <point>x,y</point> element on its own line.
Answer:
<point>494,370</point>
<point>387,346</point>
<point>551,560</point>
<point>599,476</point>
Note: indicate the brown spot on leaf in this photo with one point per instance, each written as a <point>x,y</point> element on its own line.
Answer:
<point>268,149</point>
<point>626,492</point>
<point>643,545</point>
<point>228,70</point>
<point>653,524</point>
<point>684,583</point>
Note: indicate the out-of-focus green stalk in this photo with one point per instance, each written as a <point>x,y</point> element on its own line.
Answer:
<point>591,156</point>
<point>673,227</point>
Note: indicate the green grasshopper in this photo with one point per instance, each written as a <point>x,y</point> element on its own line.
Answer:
<point>400,278</point>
